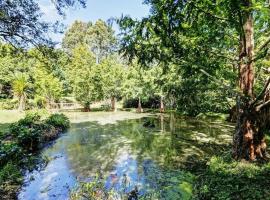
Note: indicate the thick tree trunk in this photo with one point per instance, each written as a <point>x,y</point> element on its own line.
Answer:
<point>248,141</point>
<point>113,104</point>
<point>161,109</point>
<point>139,109</point>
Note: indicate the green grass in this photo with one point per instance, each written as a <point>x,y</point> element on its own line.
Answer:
<point>10,116</point>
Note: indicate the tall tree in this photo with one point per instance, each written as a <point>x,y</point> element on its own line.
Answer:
<point>112,78</point>
<point>205,36</point>
<point>76,35</point>
<point>86,77</point>
<point>101,40</point>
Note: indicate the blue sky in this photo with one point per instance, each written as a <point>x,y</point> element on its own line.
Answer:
<point>96,9</point>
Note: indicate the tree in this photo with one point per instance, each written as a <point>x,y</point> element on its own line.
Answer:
<point>20,86</point>
<point>206,36</point>
<point>138,84</point>
<point>48,88</point>
<point>76,35</point>
<point>21,21</point>
<point>11,61</point>
<point>86,77</point>
<point>101,40</point>
<point>112,79</point>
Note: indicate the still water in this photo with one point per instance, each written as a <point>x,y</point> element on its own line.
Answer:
<point>127,153</point>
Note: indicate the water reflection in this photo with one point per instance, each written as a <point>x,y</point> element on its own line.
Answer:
<point>129,156</point>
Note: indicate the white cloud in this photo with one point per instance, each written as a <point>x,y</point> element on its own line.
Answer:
<point>49,11</point>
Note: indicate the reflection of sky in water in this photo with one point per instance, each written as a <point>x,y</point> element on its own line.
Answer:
<point>127,154</point>
<point>54,182</point>
<point>125,177</point>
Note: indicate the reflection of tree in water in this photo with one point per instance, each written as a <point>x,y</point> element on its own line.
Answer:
<point>130,155</point>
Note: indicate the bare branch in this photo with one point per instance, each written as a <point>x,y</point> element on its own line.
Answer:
<point>262,92</point>
<point>264,45</point>
<point>258,108</point>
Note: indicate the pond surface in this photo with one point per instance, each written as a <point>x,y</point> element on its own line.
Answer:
<point>120,148</point>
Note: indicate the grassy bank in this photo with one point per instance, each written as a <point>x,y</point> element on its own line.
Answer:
<point>19,147</point>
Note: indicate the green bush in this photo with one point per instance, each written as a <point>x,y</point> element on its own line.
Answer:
<point>10,173</point>
<point>10,180</point>
<point>58,121</point>
<point>9,151</point>
<point>31,131</point>
<point>227,179</point>
<point>28,131</point>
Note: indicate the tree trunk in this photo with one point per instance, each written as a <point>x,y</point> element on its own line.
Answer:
<point>21,106</point>
<point>162,127</point>
<point>86,107</point>
<point>139,109</point>
<point>113,103</point>
<point>161,109</point>
<point>248,140</point>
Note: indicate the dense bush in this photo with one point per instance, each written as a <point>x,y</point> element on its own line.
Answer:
<point>224,178</point>
<point>24,137</point>
<point>10,172</point>
<point>58,121</point>
<point>9,151</point>
<point>31,131</point>
<point>28,131</point>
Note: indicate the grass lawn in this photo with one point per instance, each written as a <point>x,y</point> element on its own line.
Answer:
<point>9,116</point>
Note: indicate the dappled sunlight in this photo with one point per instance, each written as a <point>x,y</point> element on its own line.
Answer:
<point>128,155</point>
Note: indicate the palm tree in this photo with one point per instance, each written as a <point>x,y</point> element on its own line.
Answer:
<point>20,85</point>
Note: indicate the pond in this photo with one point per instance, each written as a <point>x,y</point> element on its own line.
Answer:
<point>127,153</point>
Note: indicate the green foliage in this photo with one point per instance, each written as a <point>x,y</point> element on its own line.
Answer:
<point>31,132</point>
<point>32,29</point>
<point>28,132</point>
<point>224,178</point>
<point>16,147</point>
<point>75,35</point>
<point>85,77</point>
<point>101,40</point>
<point>10,173</point>
<point>59,121</point>
<point>9,151</point>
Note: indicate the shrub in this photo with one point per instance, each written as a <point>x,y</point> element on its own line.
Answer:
<point>227,179</point>
<point>27,131</point>
<point>9,151</point>
<point>58,121</point>
<point>10,173</point>
<point>10,178</point>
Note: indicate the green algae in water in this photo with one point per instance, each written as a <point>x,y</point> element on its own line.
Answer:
<point>146,158</point>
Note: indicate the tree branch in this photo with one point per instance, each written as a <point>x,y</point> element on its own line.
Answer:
<point>210,14</point>
<point>236,93</point>
<point>262,92</point>
<point>258,108</point>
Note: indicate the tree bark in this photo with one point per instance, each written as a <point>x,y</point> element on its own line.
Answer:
<point>248,140</point>
<point>113,103</point>
<point>161,109</point>
<point>139,109</point>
